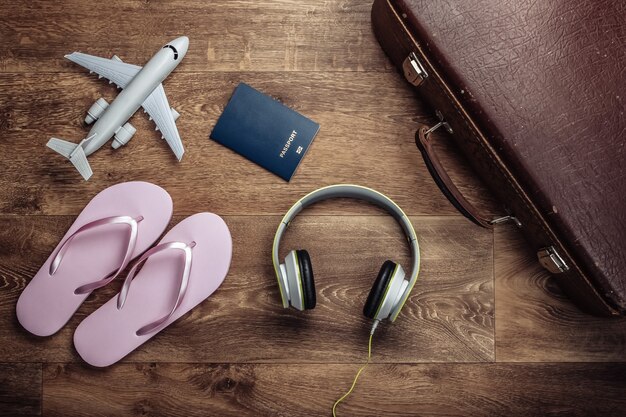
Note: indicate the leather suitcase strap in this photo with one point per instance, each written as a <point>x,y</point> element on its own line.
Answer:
<point>443,181</point>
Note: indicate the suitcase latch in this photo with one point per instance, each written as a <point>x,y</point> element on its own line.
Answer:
<point>414,71</point>
<point>550,259</point>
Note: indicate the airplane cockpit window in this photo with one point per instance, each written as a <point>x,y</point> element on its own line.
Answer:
<point>173,49</point>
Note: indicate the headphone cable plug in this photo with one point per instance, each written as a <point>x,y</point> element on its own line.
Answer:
<point>374,326</point>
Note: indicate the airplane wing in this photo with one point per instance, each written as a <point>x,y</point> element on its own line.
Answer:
<point>156,105</point>
<point>159,110</point>
<point>114,70</point>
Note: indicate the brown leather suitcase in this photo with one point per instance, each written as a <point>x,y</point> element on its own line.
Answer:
<point>533,94</point>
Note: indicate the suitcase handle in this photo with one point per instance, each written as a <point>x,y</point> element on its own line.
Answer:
<point>443,181</point>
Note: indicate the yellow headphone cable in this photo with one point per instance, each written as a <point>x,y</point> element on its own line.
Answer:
<point>369,356</point>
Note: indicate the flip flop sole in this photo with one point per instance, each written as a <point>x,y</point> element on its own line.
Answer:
<point>109,333</point>
<point>48,301</point>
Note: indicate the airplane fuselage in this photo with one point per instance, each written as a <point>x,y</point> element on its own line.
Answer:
<point>132,96</point>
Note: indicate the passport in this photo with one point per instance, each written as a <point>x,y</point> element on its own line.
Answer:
<point>265,131</point>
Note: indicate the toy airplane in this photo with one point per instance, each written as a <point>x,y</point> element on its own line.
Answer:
<point>141,88</point>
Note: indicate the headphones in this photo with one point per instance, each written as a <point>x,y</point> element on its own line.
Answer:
<point>391,287</point>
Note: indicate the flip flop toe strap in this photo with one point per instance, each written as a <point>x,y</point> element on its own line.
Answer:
<point>182,289</point>
<point>130,247</point>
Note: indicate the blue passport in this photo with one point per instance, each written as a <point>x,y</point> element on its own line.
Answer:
<point>265,131</point>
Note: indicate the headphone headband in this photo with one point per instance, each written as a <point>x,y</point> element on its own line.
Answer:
<point>360,193</point>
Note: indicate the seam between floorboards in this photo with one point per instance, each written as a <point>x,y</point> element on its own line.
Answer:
<point>495,304</point>
<point>335,363</point>
<point>69,72</point>
<point>432,216</point>
<point>41,392</point>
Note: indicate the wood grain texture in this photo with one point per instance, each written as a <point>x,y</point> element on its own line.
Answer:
<point>536,322</point>
<point>350,147</point>
<point>409,390</point>
<point>457,349</point>
<point>287,35</point>
<point>448,317</point>
<point>20,389</point>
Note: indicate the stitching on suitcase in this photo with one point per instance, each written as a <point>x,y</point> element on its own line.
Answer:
<point>508,178</point>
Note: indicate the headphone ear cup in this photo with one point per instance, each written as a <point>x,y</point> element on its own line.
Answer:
<point>377,293</point>
<point>308,282</point>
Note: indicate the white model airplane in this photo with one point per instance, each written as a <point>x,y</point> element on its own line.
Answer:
<point>141,88</point>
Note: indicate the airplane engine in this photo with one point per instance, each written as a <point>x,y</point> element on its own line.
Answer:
<point>175,114</point>
<point>123,135</point>
<point>96,110</point>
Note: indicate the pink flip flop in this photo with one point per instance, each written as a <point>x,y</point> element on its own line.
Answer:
<point>116,226</point>
<point>184,269</point>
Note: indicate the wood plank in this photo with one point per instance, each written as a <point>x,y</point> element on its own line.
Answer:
<point>357,143</point>
<point>20,389</point>
<point>536,322</point>
<point>288,35</point>
<point>448,317</point>
<point>310,390</point>
<point>240,353</point>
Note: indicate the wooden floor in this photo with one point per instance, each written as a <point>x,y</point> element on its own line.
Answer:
<point>485,332</point>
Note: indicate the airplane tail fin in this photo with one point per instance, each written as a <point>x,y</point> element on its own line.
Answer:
<point>74,152</point>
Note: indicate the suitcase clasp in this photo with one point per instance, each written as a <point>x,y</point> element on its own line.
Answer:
<point>550,259</point>
<point>414,71</point>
